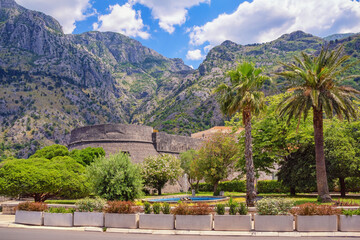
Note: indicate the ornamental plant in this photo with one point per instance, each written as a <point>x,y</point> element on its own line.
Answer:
<point>274,206</point>
<point>122,207</point>
<point>243,209</point>
<point>233,206</point>
<point>350,212</point>
<point>165,208</point>
<point>200,209</point>
<point>90,204</point>
<point>220,209</point>
<point>147,208</point>
<point>309,209</point>
<point>156,208</point>
<point>32,206</point>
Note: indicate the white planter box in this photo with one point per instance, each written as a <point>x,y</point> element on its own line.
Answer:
<point>274,223</point>
<point>91,219</point>
<point>232,222</point>
<point>157,221</point>
<point>316,223</point>
<point>117,220</point>
<point>349,223</point>
<point>29,217</point>
<point>58,219</point>
<point>193,222</point>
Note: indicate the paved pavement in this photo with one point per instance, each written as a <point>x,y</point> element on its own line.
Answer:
<point>7,221</point>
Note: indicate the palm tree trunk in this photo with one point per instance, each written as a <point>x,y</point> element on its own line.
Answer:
<point>250,175</point>
<point>321,178</point>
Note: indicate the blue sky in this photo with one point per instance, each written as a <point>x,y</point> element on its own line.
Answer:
<point>188,29</point>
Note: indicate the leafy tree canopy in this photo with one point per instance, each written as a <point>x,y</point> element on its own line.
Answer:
<point>190,165</point>
<point>87,155</point>
<point>160,169</point>
<point>42,178</point>
<point>115,178</point>
<point>51,151</point>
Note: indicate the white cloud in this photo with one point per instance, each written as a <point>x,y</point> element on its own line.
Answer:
<point>67,12</point>
<point>123,19</point>
<point>194,55</point>
<point>170,12</point>
<point>264,20</point>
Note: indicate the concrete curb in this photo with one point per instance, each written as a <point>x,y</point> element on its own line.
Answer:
<point>185,232</point>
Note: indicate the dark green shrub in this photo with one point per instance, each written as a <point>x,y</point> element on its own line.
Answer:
<point>232,207</point>
<point>243,209</point>
<point>352,184</point>
<point>220,209</point>
<point>227,186</point>
<point>156,208</point>
<point>147,208</point>
<point>271,186</point>
<point>165,208</point>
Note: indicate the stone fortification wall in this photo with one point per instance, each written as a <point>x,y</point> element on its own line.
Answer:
<point>166,143</point>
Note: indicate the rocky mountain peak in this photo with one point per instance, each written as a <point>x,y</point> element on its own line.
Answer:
<point>8,4</point>
<point>295,36</point>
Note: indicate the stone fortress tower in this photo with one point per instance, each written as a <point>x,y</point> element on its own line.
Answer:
<point>136,140</point>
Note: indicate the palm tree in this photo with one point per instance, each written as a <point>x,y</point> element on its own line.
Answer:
<point>316,84</point>
<point>243,95</point>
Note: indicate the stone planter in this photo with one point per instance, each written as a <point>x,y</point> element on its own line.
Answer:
<point>274,223</point>
<point>349,223</point>
<point>29,217</point>
<point>157,221</point>
<point>232,222</point>
<point>58,219</point>
<point>117,220</point>
<point>91,219</point>
<point>193,222</point>
<point>316,223</point>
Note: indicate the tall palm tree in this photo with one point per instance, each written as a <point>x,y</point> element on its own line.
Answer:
<point>243,95</point>
<point>316,85</point>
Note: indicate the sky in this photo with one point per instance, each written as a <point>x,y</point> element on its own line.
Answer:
<point>188,29</point>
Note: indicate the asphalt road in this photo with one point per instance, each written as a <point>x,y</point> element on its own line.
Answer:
<point>42,234</point>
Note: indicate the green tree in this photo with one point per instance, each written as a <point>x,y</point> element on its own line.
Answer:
<point>244,95</point>
<point>316,85</point>
<point>217,158</point>
<point>115,178</point>
<point>340,153</point>
<point>190,165</point>
<point>42,178</point>
<point>160,169</point>
<point>87,155</point>
<point>51,151</point>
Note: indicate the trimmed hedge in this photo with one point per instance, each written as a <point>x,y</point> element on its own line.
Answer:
<point>271,186</point>
<point>227,186</point>
<point>352,184</point>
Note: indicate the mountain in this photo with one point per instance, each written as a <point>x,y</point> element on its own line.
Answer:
<point>338,36</point>
<point>194,108</point>
<point>52,82</point>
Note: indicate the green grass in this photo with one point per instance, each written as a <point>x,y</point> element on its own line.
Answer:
<point>62,201</point>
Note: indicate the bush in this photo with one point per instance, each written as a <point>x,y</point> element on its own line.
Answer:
<point>60,210</point>
<point>147,208</point>
<point>220,209</point>
<point>165,208</point>
<point>123,207</point>
<point>156,208</point>
<point>350,212</point>
<point>352,184</point>
<point>200,209</point>
<point>243,209</point>
<point>274,206</point>
<point>271,186</point>
<point>181,209</point>
<point>115,178</point>
<point>32,206</point>
<point>232,207</point>
<point>313,209</point>
<point>90,204</point>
